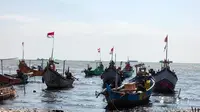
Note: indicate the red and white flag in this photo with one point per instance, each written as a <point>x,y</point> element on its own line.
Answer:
<point>166,40</point>
<point>99,50</point>
<point>50,35</point>
<point>111,50</point>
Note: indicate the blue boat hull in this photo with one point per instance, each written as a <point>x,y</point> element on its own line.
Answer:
<point>127,100</point>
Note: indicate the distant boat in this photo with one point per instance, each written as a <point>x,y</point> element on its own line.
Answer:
<point>95,72</point>
<point>166,79</point>
<point>128,70</point>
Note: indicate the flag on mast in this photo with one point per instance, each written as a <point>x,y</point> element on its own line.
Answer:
<point>111,50</point>
<point>50,35</point>
<point>166,40</point>
<point>99,50</point>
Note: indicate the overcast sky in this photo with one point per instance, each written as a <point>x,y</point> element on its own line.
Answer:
<point>136,28</point>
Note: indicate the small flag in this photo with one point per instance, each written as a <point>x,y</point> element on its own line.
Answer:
<point>50,35</point>
<point>166,38</point>
<point>111,51</point>
<point>22,43</point>
<point>99,50</point>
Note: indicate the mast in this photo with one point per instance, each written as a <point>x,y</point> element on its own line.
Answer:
<point>22,50</point>
<point>166,49</point>
<point>2,67</point>
<point>63,67</point>
<point>52,49</point>
<point>116,78</point>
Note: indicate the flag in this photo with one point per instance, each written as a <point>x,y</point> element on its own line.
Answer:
<point>111,51</point>
<point>50,35</point>
<point>99,50</point>
<point>166,38</point>
<point>22,43</point>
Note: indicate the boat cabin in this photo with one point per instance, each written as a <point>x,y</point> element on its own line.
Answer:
<point>165,64</point>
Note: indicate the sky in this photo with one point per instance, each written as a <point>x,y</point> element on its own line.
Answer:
<point>136,29</point>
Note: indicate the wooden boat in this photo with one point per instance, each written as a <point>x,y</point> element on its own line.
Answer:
<point>96,72</point>
<point>27,70</point>
<point>55,80</point>
<point>110,75</point>
<point>13,80</point>
<point>7,92</point>
<point>19,78</point>
<point>130,94</point>
<point>166,79</point>
<point>128,70</point>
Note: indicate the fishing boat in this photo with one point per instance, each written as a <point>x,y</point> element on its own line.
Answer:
<point>53,79</point>
<point>96,72</point>
<point>131,94</point>
<point>110,75</point>
<point>128,70</point>
<point>166,78</point>
<point>27,70</point>
<point>14,79</point>
<point>7,92</point>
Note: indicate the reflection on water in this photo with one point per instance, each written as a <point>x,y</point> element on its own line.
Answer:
<point>82,98</point>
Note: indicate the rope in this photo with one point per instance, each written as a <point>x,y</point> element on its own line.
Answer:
<point>113,104</point>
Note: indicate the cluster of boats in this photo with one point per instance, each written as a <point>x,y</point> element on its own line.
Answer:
<point>118,94</point>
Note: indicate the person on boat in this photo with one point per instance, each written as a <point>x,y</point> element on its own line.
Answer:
<point>128,66</point>
<point>52,65</point>
<point>112,65</point>
<point>89,68</point>
<point>152,71</point>
<point>101,66</point>
<point>39,68</point>
<point>19,74</point>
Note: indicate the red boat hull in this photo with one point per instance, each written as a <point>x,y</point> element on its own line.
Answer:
<point>9,80</point>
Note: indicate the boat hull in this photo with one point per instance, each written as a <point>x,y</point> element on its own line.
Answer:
<point>25,69</point>
<point>127,100</point>
<point>53,79</point>
<point>7,92</point>
<point>127,103</point>
<point>165,81</point>
<point>90,73</point>
<point>6,79</point>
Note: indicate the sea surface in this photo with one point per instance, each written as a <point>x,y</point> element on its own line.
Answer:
<point>81,98</point>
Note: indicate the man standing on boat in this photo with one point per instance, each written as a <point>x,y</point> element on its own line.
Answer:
<point>52,65</point>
